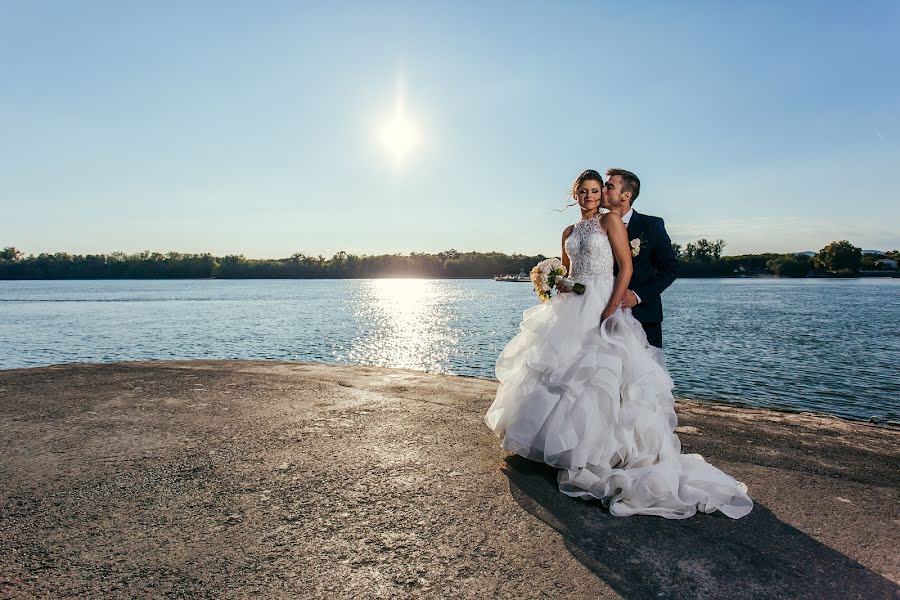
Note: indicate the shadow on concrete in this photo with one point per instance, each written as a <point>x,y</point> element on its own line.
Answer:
<point>706,556</point>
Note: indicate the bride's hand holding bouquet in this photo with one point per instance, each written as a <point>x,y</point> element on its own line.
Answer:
<point>550,273</point>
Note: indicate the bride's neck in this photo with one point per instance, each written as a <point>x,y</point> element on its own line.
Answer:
<point>588,214</point>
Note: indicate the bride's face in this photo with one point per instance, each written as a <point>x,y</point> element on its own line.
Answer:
<point>588,194</point>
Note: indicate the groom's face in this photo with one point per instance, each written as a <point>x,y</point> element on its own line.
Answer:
<point>612,194</point>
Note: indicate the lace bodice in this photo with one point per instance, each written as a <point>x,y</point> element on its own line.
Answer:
<point>589,252</point>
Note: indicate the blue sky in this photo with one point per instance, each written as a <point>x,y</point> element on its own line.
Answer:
<point>252,128</point>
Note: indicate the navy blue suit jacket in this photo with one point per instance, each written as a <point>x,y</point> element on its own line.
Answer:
<point>655,266</point>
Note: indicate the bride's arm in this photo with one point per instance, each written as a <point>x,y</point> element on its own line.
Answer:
<point>618,239</point>
<point>565,257</point>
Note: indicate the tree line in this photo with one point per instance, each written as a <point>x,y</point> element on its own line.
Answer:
<point>703,258</point>
<point>343,265</point>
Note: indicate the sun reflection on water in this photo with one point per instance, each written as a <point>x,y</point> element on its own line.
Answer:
<point>405,324</point>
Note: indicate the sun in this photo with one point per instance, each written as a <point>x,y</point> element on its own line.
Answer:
<point>399,134</point>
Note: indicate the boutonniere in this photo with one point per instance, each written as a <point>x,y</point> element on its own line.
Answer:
<point>636,245</point>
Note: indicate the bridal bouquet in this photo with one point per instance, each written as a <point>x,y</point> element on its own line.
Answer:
<point>547,274</point>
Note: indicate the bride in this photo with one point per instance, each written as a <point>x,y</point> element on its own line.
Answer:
<point>583,391</point>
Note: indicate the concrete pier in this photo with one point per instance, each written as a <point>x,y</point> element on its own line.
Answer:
<point>236,479</point>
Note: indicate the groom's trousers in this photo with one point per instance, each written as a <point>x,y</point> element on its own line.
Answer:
<point>654,333</point>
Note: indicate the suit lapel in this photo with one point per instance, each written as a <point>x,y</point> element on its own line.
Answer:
<point>634,226</point>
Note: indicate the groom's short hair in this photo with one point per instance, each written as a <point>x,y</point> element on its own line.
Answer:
<point>630,182</point>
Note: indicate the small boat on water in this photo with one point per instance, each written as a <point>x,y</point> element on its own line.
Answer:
<point>521,277</point>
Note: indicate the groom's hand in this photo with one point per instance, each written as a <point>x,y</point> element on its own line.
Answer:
<point>629,300</point>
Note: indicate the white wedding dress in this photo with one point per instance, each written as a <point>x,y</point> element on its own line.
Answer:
<point>596,402</point>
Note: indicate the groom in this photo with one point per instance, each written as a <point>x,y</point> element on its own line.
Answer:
<point>654,260</point>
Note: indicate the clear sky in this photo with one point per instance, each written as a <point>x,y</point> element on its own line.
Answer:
<point>254,127</point>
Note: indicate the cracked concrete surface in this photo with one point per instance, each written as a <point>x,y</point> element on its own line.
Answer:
<point>232,479</point>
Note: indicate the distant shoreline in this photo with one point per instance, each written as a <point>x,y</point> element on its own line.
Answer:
<point>701,260</point>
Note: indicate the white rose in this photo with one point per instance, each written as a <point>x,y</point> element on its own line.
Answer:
<point>635,247</point>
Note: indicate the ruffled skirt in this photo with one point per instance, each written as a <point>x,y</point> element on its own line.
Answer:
<point>596,402</point>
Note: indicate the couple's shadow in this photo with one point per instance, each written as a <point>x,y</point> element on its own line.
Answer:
<point>706,556</point>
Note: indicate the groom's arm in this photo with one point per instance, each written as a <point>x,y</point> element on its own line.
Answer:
<point>664,262</point>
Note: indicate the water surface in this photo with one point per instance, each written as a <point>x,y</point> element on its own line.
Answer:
<point>829,346</point>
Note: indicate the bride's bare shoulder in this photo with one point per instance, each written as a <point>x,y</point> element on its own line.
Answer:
<point>611,221</point>
<point>568,231</point>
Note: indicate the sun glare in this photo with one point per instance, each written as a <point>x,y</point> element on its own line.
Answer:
<point>399,134</point>
<point>407,325</point>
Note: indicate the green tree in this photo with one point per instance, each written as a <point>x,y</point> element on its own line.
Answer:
<point>839,256</point>
<point>790,265</point>
<point>868,261</point>
<point>10,253</point>
<point>706,251</point>
<point>717,247</point>
<point>690,251</point>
